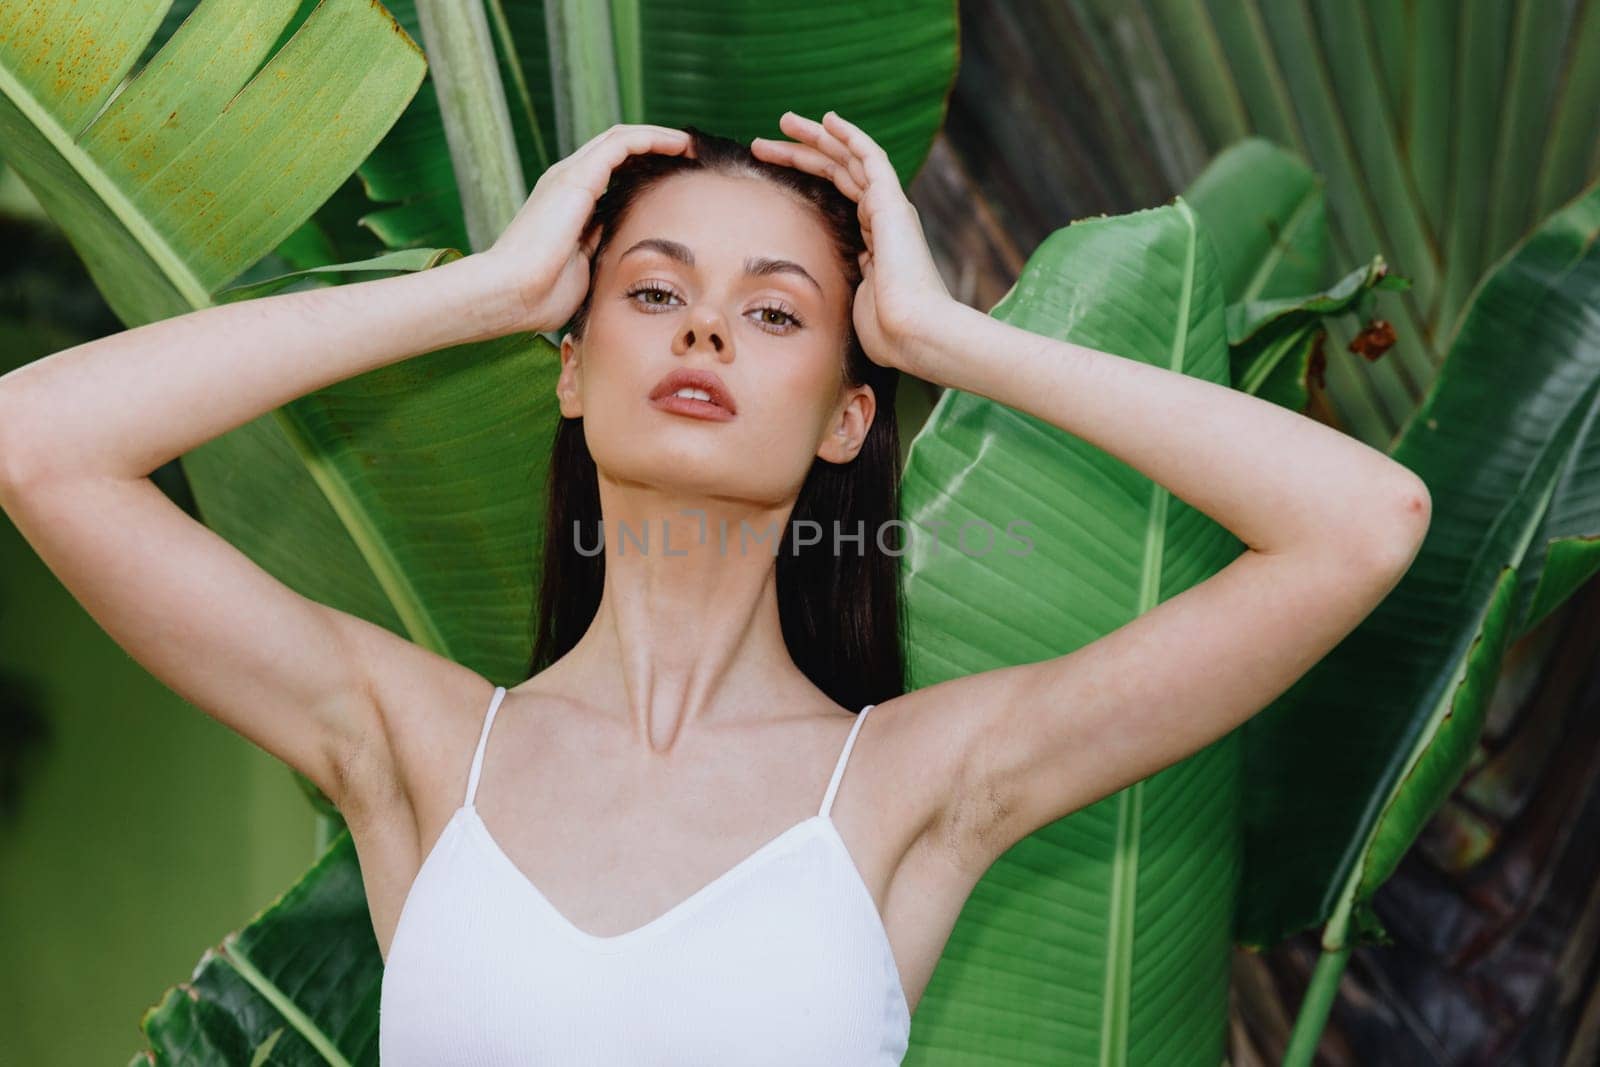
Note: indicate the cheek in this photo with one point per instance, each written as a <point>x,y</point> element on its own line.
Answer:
<point>619,353</point>
<point>822,372</point>
<point>797,387</point>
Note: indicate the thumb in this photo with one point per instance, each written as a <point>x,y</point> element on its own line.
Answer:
<point>589,242</point>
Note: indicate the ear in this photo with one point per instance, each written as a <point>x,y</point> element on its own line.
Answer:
<point>569,384</point>
<point>847,430</point>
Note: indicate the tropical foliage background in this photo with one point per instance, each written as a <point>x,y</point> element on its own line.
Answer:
<point>1381,214</point>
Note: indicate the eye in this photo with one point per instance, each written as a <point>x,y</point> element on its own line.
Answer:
<point>784,320</point>
<point>651,291</point>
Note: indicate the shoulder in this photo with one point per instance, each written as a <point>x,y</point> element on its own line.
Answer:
<point>427,713</point>
<point>915,750</point>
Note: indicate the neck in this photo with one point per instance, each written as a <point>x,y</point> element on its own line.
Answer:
<point>688,632</point>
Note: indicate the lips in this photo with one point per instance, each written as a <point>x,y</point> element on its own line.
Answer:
<point>695,379</point>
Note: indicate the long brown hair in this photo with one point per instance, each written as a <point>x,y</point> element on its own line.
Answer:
<point>842,612</point>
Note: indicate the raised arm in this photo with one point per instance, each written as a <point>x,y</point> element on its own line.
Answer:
<point>1330,526</point>
<point>81,430</point>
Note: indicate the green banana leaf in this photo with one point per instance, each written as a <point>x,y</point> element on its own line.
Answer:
<point>160,189</point>
<point>1086,979</point>
<point>409,170</point>
<point>1263,209</point>
<point>716,64</point>
<point>333,235</point>
<point>1276,345</point>
<point>1346,767</point>
<point>1445,132</point>
<point>298,985</point>
<point>1266,214</point>
<point>1104,937</point>
<point>15,199</point>
<point>409,173</point>
<point>385,264</point>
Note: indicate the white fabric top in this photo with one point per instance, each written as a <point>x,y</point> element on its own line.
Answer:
<point>781,960</point>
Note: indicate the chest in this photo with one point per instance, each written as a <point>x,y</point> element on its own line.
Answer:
<point>785,952</point>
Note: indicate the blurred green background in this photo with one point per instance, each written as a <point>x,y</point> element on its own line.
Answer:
<point>126,784</point>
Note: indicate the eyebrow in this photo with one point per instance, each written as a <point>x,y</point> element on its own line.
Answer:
<point>757,265</point>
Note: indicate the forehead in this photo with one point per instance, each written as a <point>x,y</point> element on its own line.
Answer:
<point>725,219</point>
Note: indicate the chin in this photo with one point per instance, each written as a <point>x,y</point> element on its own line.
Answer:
<point>667,458</point>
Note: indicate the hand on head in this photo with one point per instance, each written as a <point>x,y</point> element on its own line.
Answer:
<point>901,289</point>
<point>543,254</point>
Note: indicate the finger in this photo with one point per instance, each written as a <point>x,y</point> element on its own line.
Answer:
<point>884,192</point>
<point>799,126</point>
<point>623,140</point>
<point>874,159</point>
<point>620,141</point>
<point>633,129</point>
<point>808,159</point>
<point>817,135</point>
<point>592,164</point>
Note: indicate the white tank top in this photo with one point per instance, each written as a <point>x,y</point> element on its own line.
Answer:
<point>783,959</point>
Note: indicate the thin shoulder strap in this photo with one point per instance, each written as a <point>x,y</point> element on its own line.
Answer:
<point>483,741</point>
<point>844,756</point>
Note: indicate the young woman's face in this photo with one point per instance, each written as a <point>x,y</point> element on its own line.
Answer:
<point>737,277</point>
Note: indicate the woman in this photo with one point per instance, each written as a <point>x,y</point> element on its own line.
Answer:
<point>660,859</point>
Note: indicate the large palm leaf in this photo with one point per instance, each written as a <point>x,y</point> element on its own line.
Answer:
<point>1350,762</point>
<point>1445,132</point>
<point>717,64</point>
<point>1105,936</point>
<point>159,186</point>
<point>1265,212</point>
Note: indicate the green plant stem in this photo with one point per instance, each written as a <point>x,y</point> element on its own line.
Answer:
<point>519,82</point>
<point>583,70</point>
<point>477,123</point>
<point>327,828</point>
<point>630,73</point>
<point>1316,1006</point>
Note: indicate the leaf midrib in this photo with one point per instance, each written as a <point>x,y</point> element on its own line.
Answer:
<point>110,194</point>
<point>283,1003</point>
<point>1114,1025</point>
<point>1298,218</point>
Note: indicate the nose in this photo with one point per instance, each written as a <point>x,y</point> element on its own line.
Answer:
<point>705,326</point>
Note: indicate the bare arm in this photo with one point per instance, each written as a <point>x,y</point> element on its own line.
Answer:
<point>1281,482</point>
<point>1330,526</point>
<point>123,405</point>
<point>81,430</point>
